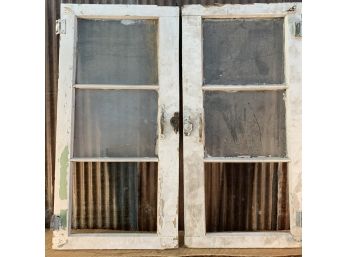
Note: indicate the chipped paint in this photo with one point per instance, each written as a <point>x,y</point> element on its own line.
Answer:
<point>59,239</point>
<point>161,214</point>
<point>131,22</point>
<point>128,22</point>
<point>168,156</point>
<point>64,163</point>
<point>168,167</point>
<point>195,234</point>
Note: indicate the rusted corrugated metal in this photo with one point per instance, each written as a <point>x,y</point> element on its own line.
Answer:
<point>246,197</point>
<point>53,13</point>
<point>51,85</point>
<point>115,196</point>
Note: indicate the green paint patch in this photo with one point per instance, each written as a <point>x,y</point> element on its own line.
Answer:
<point>62,215</point>
<point>63,161</point>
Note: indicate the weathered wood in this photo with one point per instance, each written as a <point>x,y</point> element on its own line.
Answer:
<point>243,240</point>
<point>168,142</point>
<point>193,149</point>
<point>246,159</point>
<point>256,10</point>
<point>195,235</point>
<point>166,146</point>
<point>116,87</point>
<point>105,159</point>
<point>293,73</point>
<point>62,196</point>
<point>121,11</point>
<point>237,88</point>
<point>182,251</point>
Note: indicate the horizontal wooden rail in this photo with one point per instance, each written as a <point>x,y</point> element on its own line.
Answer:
<point>243,87</point>
<point>107,159</point>
<point>116,87</point>
<point>246,159</point>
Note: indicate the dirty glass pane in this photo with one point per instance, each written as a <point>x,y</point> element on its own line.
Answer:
<point>115,123</point>
<point>244,123</point>
<point>114,197</point>
<point>243,51</point>
<point>117,52</point>
<point>246,197</point>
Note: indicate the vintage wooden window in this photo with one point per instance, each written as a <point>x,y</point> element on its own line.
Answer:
<point>242,125</point>
<point>118,90</point>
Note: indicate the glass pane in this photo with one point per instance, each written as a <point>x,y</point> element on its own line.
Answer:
<point>115,123</point>
<point>243,51</point>
<point>244,123</point>
<point>117,52</point>
<point>114,197</point>
<point>246,197</point>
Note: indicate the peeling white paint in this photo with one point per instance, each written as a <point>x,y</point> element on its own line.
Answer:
<point>167,145</point>
<point>293,50</point>
<point>129,22</point>
<point>195,234</point>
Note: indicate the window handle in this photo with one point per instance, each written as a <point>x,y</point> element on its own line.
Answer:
<point>174,121</point>
<point>188,126</point>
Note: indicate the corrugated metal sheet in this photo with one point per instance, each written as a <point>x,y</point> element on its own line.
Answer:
<point>51,85</point>
<point>246,197</point>
<point>115,196</point>
<point>53,13</point>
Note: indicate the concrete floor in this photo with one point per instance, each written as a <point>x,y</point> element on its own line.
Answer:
<point>182,251</point>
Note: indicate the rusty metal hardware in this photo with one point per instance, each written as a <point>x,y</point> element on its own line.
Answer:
<point>174,121</point>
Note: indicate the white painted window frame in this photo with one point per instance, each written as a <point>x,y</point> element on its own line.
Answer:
<point>194,196</point>
<point>167,142</point>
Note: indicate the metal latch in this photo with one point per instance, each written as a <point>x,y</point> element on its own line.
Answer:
<point>174,121</point>
<point>299,219</point>
<point>60,26</point>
